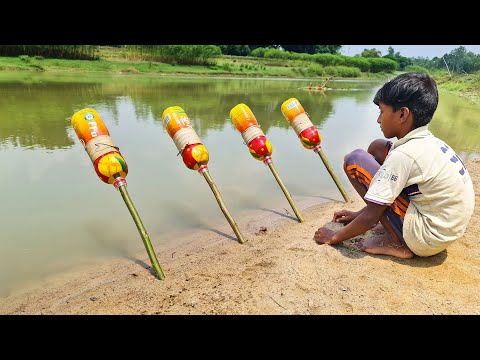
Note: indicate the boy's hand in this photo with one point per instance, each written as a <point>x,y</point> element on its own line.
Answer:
<point>323,235</point>
<point>344,216</point>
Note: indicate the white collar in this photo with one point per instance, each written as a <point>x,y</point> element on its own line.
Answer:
<point>417,133</point>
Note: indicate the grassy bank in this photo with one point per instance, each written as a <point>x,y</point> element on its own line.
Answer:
<point>113,61</point>
<point>467,85</point>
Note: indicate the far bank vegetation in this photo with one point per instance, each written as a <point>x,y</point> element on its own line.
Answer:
<point>456,71</point>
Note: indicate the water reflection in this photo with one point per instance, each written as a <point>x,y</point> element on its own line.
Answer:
<point>457,122</point>
<point>34,110</point>
<point>56,213</point>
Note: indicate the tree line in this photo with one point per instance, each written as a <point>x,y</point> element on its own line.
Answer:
<point>246,50</point>
<point>81,52</point>
<point>458,60</point>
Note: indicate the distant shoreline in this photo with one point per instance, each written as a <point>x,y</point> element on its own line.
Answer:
<point>462,85</point>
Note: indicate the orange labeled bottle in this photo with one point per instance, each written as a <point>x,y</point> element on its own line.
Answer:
<point>177,124</point>
<point>94,136</point>
<point>295,114</point>
<point>246,123</point>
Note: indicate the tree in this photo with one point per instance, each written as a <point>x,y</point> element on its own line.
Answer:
<point>331,49</point>
<point>239,50</point>
<point>313,49</point>
<point>461,60</point>
<point>253,47</point>
<point>371,53</point>
<point>402,61</point>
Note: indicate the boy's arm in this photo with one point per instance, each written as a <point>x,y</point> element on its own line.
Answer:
<point>370,216</point>
<point>345,216</point>
<point>384,188</point>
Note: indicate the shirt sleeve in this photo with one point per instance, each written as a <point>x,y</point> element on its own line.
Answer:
<point>390,179</point>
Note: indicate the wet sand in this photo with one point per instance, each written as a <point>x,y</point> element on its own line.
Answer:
<point>280,270</point>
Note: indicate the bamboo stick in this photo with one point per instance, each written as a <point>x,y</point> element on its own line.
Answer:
<point>142,231</point>
<point>220,202</point>
<point>285,191</point>
<point>332,174</point>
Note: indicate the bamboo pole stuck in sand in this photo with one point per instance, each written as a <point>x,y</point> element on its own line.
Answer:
<point>224,209</point>
<point>332,174</point>
<point>259,146</point>
<point>141,230</point>
<point>285,191</point>
<point>194,154</point>
<point>309,136</point>
<point>110,167</point>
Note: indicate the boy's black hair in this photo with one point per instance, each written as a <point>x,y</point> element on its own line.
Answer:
<point>416,91</point>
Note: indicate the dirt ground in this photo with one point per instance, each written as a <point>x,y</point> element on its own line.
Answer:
<point>280,270</point>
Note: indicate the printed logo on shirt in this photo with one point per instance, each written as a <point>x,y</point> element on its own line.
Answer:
<point>384,174</point>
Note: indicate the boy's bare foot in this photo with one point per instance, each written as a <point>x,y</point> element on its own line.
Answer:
<point>384,245</point>
<point>378,229</point>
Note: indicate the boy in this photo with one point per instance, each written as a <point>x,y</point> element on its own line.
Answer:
<point>417,187</point>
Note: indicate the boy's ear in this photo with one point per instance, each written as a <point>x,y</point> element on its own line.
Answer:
<point>404,112</point>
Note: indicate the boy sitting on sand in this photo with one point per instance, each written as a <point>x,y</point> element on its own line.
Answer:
<point>417,187</point>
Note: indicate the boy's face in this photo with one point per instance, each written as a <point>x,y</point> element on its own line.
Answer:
<point>389,120</point>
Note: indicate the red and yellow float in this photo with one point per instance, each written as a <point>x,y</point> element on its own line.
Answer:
<point>307,133</point>
<point>246,123</point>
<point>309,136</point>
<point>107,161</point>
<point>178,126</point>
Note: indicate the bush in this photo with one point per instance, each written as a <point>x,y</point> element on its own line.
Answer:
<point>25,58</point>
<point>342,71</point>
<point>357,62</point>
<point>328,59</point>
<point>239,50</point>
<point>416,68</point>
<point>382,64</point>
<point>178,54</point>
<point>315,69</point>
<point>227,67</point>
<point>258,52</point>
<point>37,67</point>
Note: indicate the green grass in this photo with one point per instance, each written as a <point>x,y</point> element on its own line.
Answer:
<point>113,61</point>
<point>467,85</point>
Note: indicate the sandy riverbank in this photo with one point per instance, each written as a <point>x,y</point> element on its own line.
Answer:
<point>280,270</point>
